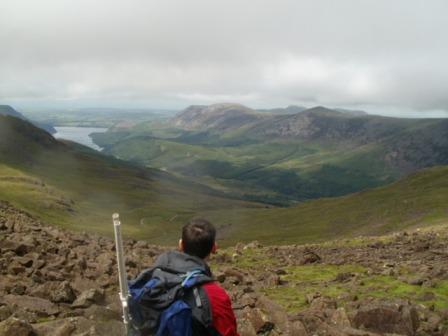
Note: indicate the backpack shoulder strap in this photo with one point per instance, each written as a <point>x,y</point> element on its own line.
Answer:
<point>201,310</point>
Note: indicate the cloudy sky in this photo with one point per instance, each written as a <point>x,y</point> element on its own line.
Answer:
<point>386,56</point>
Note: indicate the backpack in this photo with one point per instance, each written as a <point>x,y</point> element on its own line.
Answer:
<point>168,299</point>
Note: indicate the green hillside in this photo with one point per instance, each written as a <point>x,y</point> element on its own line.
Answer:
<point>285,159</point>
<point>416,201</point>
<point>73,186</point>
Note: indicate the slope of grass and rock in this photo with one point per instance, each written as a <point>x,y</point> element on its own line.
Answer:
<point>57,282</point>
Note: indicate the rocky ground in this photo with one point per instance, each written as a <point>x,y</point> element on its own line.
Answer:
<point>54,282</point>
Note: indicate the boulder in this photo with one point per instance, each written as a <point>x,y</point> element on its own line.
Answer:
<point>271,280</point>
<point>101,313</point>
<point>107,328</point>
<point>18,289</point>
<point>245,328</point>
<point>297,329</point>
<point>309,257</point>
<point>64,327</point>
<point>63,293</point>
<point>277,314</point>
<point>41,307</point>
<point>416,281</point>
<point>55,291</point>
<point>246,300</point>
<point>88,297</point>
<point>357,332</point>
<point>344,277</point>
<point>387,318</point>
<point>340,318</point>
<point>234,276</point>
<point>322,303</point>
<point>16,268</point>
<point>259,320</point>
<point>19,248</point>
<point>25,261</point>
<point>5,312</point>
<point>16,327</point>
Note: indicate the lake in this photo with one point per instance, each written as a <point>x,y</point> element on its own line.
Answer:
<point>79,135</point>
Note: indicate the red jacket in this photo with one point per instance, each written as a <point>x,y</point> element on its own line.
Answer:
<point>224,319</point>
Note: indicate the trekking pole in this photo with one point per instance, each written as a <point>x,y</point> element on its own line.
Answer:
<point>122,278</point>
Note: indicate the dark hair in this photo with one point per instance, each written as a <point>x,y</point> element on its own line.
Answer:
<point>198,237</point>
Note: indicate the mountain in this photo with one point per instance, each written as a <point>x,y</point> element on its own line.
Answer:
<point>229,116</point>
<point>8,110</point>
<point>221,117</point>
<point>321,123</point>
<point>404,145</point>
<point>283,159</point>
<point>72,186</point>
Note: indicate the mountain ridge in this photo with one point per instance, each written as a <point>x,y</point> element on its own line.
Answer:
<point>9,110</point>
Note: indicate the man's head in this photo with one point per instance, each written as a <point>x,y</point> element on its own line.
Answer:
<point>198,238</point>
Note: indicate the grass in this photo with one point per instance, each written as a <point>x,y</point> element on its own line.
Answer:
<point>311,279</point>
<point>386,286</point>
<point>302,281</point>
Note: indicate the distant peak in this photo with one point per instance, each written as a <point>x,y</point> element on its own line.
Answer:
<point>321,110</point>
<point>215,116</point>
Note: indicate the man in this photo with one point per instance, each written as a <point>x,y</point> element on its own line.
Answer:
<point>198,239</point>
<point>181,281</point>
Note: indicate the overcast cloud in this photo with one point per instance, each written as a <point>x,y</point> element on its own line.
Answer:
<point>386,56</point>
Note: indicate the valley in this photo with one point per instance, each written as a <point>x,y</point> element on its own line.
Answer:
<point>163,176</point>
<point>345,265</point>
<point>282,159</point>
